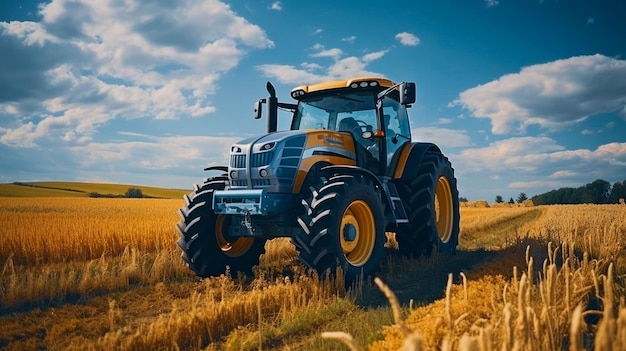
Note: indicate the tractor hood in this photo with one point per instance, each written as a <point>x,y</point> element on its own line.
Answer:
<point>279,161</point>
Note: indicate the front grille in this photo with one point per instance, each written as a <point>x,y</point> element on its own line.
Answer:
<point>262,158</point>
<point>239,182</point>
<point>261,182</point>
<point>238,161</point>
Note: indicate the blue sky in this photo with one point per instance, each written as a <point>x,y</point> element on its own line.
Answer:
<point>522,96</point>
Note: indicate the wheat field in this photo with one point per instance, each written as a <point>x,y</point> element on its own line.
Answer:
<point>102,274</point>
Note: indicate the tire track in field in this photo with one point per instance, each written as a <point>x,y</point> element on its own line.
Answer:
<point>491,251</point>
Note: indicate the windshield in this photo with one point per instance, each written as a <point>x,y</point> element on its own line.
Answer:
<point>324,112</point>
<point>355,112</point>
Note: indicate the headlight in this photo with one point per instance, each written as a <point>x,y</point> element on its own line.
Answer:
<point>268,146</point>
<point>234,174</point>
<point>263,173</point>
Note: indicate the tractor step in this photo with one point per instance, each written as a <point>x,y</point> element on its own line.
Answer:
<point>398,209</point>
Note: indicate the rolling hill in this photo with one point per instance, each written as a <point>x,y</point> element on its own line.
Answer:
<point>75,189</point>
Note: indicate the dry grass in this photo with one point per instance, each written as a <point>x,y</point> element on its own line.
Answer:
<point>38,231</point>
<point>554,307</point>
<point>91,274</point>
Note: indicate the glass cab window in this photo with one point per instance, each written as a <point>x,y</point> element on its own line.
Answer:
<point>354,112</point>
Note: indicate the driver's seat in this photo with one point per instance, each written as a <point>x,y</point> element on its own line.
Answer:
<point>364,157</point>
<point>348,124</point>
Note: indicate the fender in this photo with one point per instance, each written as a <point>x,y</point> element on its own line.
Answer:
<point>217,168</point>
<point>410,159</point>
<point>355,170</point>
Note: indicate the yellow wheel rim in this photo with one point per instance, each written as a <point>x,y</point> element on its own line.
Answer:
<point>232,249</point>
<point>357,233</point>
<point>444,209</point>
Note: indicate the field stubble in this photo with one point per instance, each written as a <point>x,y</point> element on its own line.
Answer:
<point>105,274</point>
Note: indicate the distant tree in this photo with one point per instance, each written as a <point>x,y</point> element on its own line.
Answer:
<point>511,201</point>
<point>463,199</point>
<point>618,191</point>
<point>499,199</point>
<point>134,193</point>
<point>521,197</point>
<point>597,192</point>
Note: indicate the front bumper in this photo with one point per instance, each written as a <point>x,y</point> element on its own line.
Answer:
<point>250,202</point>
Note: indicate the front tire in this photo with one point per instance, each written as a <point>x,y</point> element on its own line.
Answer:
<point>207,249</point>
<point>343,225</point>
<point>431,200</point>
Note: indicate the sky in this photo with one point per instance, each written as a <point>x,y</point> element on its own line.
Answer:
<point>521,96</point>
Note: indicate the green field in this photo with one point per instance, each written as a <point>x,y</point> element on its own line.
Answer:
<point>74,189</point>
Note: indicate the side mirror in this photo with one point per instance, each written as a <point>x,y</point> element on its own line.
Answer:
<point>407,93</point>
<point>258,108</point>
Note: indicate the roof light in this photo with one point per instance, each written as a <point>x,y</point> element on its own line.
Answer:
<point>297,93</point>
<point>363,84</point>
<point>354,85</point>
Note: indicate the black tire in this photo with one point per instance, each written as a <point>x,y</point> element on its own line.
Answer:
<point>431,200</point>
<point>343,225</point>
<point>205,247</point>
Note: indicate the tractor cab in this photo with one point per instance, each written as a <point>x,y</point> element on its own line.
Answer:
<point>372,110</point>
<point>352,108</point>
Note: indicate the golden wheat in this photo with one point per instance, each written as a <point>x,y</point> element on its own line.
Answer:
<point>53,250</point>
<point>537,309</point>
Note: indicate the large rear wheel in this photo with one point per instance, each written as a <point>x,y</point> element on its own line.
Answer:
<point>431,200</point>
<point>207,247</point>
<point>343,225</point>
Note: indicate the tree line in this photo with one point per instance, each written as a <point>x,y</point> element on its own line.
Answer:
<point>596,192</point>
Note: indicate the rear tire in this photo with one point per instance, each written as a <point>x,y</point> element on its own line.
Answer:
<point>203,238</point>
<point>431,200</point>
<point>343,225</point>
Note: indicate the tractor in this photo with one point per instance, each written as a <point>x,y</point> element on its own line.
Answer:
<point>344,175</point>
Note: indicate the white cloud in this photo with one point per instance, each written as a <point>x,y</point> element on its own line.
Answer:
<point>563,174</point>
<point>374,55</point>
<point>86,63</point>
<point>289,74</point>
<point>442,137</point>
<point>310,73</point>
<point>277,5</point>
<point>491,3</point>
<point>349,39</point>
<point>539,164</point>
<point>169,153</point>
<point>408,39</point>
<point>334,53</point>
<point>552,95</point>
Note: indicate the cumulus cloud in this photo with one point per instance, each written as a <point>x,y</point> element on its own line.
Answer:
<point>407,39</point>
<point>551,95</point>
<point>539,164</point>
<point>156,153</point>
<point>312,72</point>
<point>334,52</point>
<point>442,137</point>
<point>277,5</point>
<point>86,63</point>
